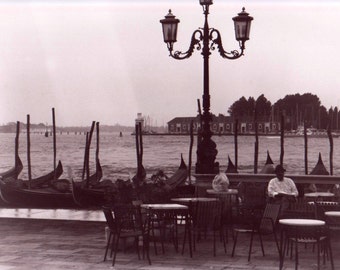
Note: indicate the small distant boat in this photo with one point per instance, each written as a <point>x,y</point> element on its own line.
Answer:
<point>310,132</point>
<point>120,134</point>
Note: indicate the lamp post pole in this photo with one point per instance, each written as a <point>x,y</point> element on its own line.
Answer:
<point>207,39</point>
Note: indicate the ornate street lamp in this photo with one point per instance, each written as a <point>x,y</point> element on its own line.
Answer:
<point>207,39</point>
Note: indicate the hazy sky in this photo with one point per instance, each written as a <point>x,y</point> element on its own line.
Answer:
<point>106,60</point>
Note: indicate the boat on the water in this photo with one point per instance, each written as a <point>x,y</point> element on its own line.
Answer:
<point>91,192</point>
<point>56,196</point>
<point>100,194</point>
<point>44,180</point>
<point>310,132</point>
<point>14,172</point>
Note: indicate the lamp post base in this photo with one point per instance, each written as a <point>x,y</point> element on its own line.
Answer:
<point>206,155</point>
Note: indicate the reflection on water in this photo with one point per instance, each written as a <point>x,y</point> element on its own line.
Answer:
<point>118,154</point>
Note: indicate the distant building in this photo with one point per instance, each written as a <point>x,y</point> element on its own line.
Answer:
<point>222,124</point>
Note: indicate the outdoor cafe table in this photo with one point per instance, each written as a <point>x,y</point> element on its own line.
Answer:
<point>295,224</point>
<point>318,195</point>
<point>333,219</point>
<point>192,200</point>
<point>172,209</point>
<point>332,213</point>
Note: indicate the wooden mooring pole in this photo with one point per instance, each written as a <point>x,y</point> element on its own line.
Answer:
<point>330,137</point>
<point>236,143</point>
<point>29,152</point>
<point>17,144</point>
<point>306,146</point>
<point>88,155</point>
<point>190,149</point>
<point>54,146</point>
<point>282,139</point>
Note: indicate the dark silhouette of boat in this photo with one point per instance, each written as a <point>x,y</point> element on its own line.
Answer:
<point>319,168</point>
<point>231,168</point>
<point>93,193</point>
<point>14,172</point>
<point>57,195</point>
<point>99,194</point>
<point>45,180</point>
<point>268,167</point>
<point>179,177</point>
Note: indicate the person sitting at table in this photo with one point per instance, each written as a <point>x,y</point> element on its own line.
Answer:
<point>282,189</point>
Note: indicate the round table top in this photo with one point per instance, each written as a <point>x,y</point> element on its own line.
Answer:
<point>224,192</point>
<point>196,199</point>
<point>332,213</point>
<point>319,194</point>
<point>164,206</point>
<point>301,222</point>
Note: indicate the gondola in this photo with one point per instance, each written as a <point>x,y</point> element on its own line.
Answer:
<point>58,195</point>
<point>99,195</point>
<point>45,180</point>
<point>14,172</point>
<point>179,177</point>
<point>90,192</point>
<point>268,168</point>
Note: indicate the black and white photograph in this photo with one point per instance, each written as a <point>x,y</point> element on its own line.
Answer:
<point>169,134</point>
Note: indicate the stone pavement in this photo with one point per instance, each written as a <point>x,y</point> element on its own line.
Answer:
<point>59,244</point>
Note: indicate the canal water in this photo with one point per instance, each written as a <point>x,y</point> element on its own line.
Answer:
<point>118,154</point>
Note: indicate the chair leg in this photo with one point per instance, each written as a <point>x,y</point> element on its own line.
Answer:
<point>251,245</point>
<point>214,243</point>
<point>276,241</point>
<point>153,237</point>
<point>146,247</point>
<point>260,236</point>
<point>115,251</point>
<point>296,254</point>
<point>318,250</point>
<point>137,246</point>
<point>224,240</point>
<point>107,245</point>
<point>184,238</point>
<point>330,252</point>
<point>235,241</point>
<point>113,241</point>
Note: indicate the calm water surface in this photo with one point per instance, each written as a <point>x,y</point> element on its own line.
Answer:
<point>118,154</point>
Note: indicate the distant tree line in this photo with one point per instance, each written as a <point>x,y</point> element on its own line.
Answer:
<point>298,110</point>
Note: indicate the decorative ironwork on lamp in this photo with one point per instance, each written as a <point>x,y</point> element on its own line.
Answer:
<point>206,39</point>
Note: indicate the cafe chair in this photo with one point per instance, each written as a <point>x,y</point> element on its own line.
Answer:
<point>299,209</point>
<point>111,229</point>
<point>252,222</point>
<point>323,206</point>
<point>126,222</point>
<point>206,220</point>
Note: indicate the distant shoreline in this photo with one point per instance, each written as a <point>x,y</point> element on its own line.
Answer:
<point>242,134</point>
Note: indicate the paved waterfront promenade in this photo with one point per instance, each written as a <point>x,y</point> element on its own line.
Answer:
<point>28,243</point>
